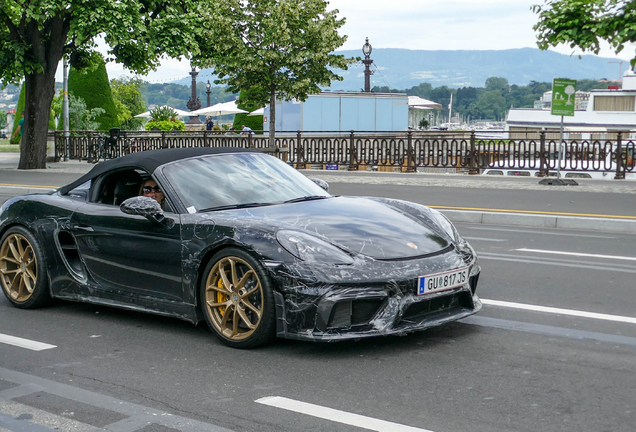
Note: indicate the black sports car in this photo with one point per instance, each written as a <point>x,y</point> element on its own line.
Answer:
<point>242,240</point>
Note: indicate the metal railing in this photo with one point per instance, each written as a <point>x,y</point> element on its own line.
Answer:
<point>408,151</point>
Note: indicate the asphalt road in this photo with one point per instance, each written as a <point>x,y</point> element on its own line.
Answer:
<point>568,366</point>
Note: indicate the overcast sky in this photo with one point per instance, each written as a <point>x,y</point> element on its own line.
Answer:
<point>421,24</point>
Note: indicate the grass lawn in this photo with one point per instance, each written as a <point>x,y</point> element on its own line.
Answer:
<point>6,147</point>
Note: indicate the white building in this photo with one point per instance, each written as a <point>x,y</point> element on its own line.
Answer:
<point>608,110</point>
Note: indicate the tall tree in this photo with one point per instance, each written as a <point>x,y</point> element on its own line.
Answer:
<point>129,101</point>
<point>277,49</point>
<point>36,34</point>
<point>92,86</point>
<point>584,23</point>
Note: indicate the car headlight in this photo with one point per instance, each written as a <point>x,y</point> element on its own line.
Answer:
<point>311,249</point>
<point>445,224</point>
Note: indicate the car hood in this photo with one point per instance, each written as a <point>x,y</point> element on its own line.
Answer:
<point>371,227</point>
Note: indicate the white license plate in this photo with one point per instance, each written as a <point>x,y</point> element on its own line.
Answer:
<point>442,281</point>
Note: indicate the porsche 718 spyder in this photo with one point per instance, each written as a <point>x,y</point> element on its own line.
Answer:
<point>243,241</point>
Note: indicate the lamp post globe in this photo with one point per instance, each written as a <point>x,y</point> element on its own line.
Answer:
<point>208,86</point>
<point>366,50</point>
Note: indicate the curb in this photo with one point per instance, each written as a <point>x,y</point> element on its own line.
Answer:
<point>543,221</point>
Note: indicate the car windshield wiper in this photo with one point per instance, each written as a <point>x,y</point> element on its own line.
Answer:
<point>235,206</point>
<point>307,198</point>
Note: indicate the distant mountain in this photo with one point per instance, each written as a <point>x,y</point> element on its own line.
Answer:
<point>403,69</point>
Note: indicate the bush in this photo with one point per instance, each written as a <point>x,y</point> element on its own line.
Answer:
<point>92,86</point>
<point>253,122</point>
<point>163,113</point>
<point>18,115</point>
<point>165,125</point>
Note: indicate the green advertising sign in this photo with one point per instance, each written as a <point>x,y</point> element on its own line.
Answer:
<point>563,95</point>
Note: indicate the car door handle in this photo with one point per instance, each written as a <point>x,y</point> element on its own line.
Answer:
<point>83,228</point>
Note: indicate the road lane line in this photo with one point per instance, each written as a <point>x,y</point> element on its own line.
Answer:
<point>540,212</point>
<point>616,257</point>
<point>535,231</point>
<point>485,239</point>
<point>548,330</point>
<point>357,420</point>
<point>558,311</point>
<point>25,343</point>
<point>559,263</point>
<point>29,186</point>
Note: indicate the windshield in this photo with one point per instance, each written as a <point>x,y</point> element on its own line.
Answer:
<point>237,179</point>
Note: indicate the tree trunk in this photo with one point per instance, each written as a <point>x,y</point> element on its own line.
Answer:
<point>39,92</point>
<point>272,116</point>
<point>47,47</point>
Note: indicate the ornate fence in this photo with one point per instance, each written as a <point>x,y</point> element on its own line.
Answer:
<point>410,151</point>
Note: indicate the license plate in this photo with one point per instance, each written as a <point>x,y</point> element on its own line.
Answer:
<point>442,281</point>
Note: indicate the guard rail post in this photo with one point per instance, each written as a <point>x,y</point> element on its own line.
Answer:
<point>353,157</point>
<point>299,150</point>
<point>410,157</point>
<point>56,137</point>
<point>474,169</point>
<point>543,172</point>
<point>618,156</point>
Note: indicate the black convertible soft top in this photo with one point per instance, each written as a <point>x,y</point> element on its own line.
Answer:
<point>149,161</point>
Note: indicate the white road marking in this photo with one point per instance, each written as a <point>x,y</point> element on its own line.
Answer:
<point>616,257</point>
<point>485,239</point>
<point>357,420</point>
<point>558,311</point>
<point>24,343</point>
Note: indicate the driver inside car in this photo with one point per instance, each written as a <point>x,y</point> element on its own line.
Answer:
<point>150,189</point>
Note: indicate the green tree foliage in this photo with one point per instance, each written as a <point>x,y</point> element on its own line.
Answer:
<point>36,34</point>
<point>128,101</point>
<point>490,102</point>
<point>277,49</point>
<point>248,100</point>
<point>92,86</point>
<point>80,117</point>
<point>3,119</point>
<point>177,95</point>
<point>585,23</point>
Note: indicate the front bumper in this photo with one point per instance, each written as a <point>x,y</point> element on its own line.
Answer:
<point>320,310</point>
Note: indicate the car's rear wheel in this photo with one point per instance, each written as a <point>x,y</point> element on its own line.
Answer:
<point>22,269</point>
<point>237,299</point>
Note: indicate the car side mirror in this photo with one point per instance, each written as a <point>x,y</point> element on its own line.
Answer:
<point>146,207</point>
<point>320,182</point>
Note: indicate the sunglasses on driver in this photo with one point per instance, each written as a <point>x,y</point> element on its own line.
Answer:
<point>148,189</point>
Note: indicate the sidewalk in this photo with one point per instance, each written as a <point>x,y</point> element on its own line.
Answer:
<point>593,205</point>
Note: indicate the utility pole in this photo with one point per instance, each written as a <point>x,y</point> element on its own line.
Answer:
<point>65,112</point>
<point>620,69</point>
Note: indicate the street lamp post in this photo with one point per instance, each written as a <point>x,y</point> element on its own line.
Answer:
<point>207,86</point>
<point>194,103</point>
<point>366,50</point>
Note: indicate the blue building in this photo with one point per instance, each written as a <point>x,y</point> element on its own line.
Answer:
<point>342,111</point>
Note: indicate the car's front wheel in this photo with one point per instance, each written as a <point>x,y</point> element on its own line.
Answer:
<point>237,299</point>
<point>22,269</point>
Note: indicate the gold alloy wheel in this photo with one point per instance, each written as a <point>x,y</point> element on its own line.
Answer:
<point>18,267</point>
<point>234,298</point>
